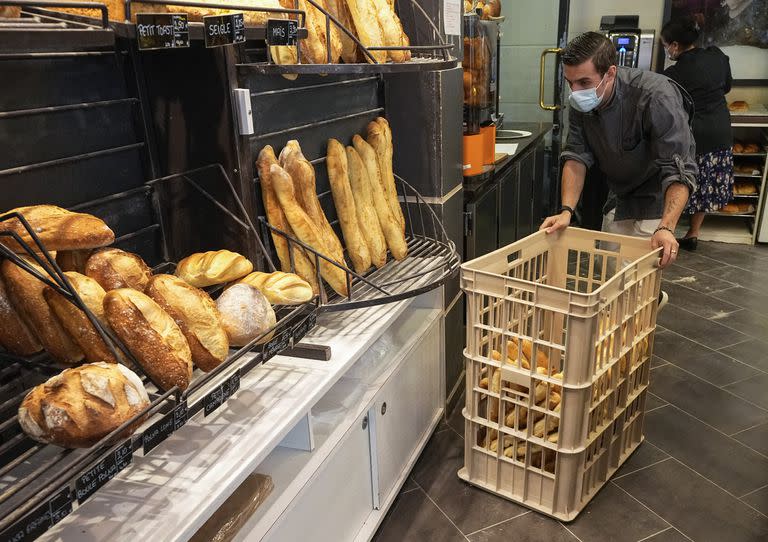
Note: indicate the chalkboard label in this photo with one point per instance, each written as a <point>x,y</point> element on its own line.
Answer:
<point>224,29</point>
<point>162,31</point>
<point>161,430</point>
<point>89,482</point>
<point>277,344</point>
<point>303,327</point>
<point>282,32</point>
<point>41,519</point>
<point>219,396</point>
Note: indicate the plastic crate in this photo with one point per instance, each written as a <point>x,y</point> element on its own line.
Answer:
<point>548,433</point>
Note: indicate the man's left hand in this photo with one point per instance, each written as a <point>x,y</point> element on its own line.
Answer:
<point>666,239</point>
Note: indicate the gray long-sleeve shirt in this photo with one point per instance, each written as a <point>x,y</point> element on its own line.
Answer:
<point>641,140</point>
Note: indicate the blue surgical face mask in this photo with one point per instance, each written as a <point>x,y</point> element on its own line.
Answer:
<point>587,99</point>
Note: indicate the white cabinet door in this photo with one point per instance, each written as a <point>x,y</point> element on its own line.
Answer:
<point>405,407</point>
<point>337,500</point>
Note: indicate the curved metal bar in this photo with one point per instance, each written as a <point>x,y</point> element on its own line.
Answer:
<point>49,4</point>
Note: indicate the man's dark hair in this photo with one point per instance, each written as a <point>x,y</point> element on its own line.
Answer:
<point>590,45</point>
<point>684,30</point>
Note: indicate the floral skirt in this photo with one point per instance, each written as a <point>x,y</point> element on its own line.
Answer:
<point>715,182</point>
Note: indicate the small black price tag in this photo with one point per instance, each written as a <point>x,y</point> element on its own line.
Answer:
<point>94,478</point>
<point>276,344</point>
<point>161,430</point>
<point>303,327</point>
<point>282,32</point>
<point>224,29</point>
<point>40,519</point>
<point>162,31</point>
<point>219,396</point>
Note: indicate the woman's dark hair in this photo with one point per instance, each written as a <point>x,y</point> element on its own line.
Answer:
<point>684,31</point>
<point>590,45</point>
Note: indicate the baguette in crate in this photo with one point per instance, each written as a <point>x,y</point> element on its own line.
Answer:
<point>559,339</point>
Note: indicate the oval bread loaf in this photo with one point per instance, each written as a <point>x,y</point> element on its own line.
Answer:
<point>74,320</point>
<point>151,335</point>
<point>15,335</point>
<point>57,229</point>
<point>213,267</point>
<point>80,406</point>
<point>245,313</point>
<point>26,294</point>
<point>280,288</point>
<point>114,268</point>
<point>196,315</point>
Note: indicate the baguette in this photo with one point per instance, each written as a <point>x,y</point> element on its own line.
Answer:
<point>213,267</point>
<point>366,211</point>
<point>196,14</point>
<point>340,10</point>
<point>305,229</point>
<point>368,28</point>
<point>303,175</point>
<point>280,288</point>
<point>57,229</point>
<point>314,48</point>
<point>82,405</point>
<point>392,30</point>
<point>26,294</point>
<point>196,315</point>
<point>76,323</point>
<point>389,225</point>
<point>338,175</point>
<point>16,336</point>
<point>380,138</point>
<point>302,265</point>
<point>151,335</point>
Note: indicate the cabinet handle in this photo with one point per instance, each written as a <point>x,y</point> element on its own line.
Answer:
<point>383,408</point>
<point>365,423</point>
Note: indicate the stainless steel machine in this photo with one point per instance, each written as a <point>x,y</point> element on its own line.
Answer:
<point>633,45</point>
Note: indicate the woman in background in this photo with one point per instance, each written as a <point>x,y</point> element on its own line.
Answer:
<point>706,75</point>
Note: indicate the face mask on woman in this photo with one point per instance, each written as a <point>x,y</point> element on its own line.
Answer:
<point>586,100</point>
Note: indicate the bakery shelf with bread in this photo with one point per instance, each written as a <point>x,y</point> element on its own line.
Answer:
<point>379,241</point>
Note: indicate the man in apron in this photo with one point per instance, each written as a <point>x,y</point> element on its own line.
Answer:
<point>635,125</point>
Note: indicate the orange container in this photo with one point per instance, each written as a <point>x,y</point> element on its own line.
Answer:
<point>473,154</point>
<point>489,144</point>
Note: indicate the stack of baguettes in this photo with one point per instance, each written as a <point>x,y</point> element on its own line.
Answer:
<point>365,198</point>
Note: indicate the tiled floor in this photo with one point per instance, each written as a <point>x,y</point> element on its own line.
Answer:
<point>702,472</point>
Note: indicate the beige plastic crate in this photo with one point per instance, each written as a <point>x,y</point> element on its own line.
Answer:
<point>559,339</point>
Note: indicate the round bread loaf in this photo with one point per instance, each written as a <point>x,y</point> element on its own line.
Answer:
<point>76,323</point>
<point>151,335</point>
<point>280,288</point>
<point>26,294</point>
<point>738,105</point>
<point>114,268</point>
<point>197,316</point>
<point>58,229</point>
<point>245,313</point>
<point>214,267</point>
<point>80,406</point>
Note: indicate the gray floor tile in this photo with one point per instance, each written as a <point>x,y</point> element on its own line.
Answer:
<point>754,280</point>
<point>656,361</point>
<point>758,500</point>
<point>752,352</point>
<point>748,322</point>
<point>745,298</point>
<point>470,508</point>
<point>654,401</point>
<point>753,389</point>
<point>698,303</point>
<point>700,360</point>
<point>729,254</point>
<point>705,450</point>
<point>409,485</point>
<point>414,518</point>
<point>707,332</point>
<point>697,262</point>
<point>714,406</point>
<point>531,527</point>
<point>614,515</point>
<point>755,437</point>
<point>698,508</point>
<point>670,535</point>
<point>645,455</point>
<point>694,280</point>
<point>456,419</point>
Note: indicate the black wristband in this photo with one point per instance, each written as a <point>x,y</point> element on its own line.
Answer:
<point>662,228</point>
<point>566,208</point>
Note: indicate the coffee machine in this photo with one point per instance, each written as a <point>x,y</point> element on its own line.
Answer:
<point>634,47</point>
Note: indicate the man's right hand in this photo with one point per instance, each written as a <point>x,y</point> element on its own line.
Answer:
<point>556,222</point>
